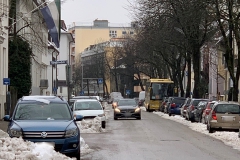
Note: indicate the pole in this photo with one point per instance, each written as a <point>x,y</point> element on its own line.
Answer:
<point>82,78</point>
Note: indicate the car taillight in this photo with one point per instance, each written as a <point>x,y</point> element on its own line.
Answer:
<point>173,105</point>
<point>214,116</point>
<point>192,107</point>
<point>208,111</point>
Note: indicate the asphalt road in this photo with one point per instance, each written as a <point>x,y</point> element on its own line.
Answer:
<point>154,138</point>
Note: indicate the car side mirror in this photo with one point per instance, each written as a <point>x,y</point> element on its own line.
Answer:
<point>7,118</point>
<point>78,118</point>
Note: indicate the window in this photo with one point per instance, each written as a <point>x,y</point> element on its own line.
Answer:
<point>112,33</point>
<point>131,32</point>
<point>124,32</point>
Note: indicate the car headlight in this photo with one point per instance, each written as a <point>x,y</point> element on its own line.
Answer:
<point>15,133</point>
<point>71,132</point>
<point>117,110</point>
<point>137,110</point>
<point>101,115</point>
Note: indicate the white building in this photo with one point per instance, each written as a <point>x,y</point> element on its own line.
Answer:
<point>37,35</point>
<point>65,54</point>
<point>3,53</point>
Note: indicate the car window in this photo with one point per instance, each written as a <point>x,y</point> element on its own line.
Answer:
<point>196,102</point>
<point>178,101</point>
<point>228,108</point>
<point>211,105</point>
<point>88,105</point>
<point>127,103</point>
<point>42,111</point>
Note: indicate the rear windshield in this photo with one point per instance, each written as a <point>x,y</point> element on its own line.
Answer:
<point>228,108</point>
<point>178,101</point>
<point>195,102</point>
<point>88,105</point>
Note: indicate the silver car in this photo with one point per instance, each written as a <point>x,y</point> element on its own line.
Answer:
<point>224,115</point>
<point>127,108</point>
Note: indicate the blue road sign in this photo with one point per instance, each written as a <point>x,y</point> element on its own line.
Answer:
<point>6,81</point>
<point>100,81</point>
<point>81,92</point>
<point>128,92</point>
<point>54,89</point>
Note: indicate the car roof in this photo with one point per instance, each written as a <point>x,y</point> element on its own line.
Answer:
<point>226,102</point>
<point>41,99</point>
<point>86,100</point>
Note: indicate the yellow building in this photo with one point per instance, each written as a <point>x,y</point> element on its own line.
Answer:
<point>97,32</point>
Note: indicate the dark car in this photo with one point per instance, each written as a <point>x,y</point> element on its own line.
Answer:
<point>46,119</point>
<point>192,105</point>
<point>127,108</point>
<point>198,111</point>
<point>175,106</point>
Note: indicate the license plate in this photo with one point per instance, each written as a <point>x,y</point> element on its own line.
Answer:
<point>49,143</point>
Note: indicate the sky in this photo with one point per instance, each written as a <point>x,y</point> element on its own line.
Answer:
<point>115,11</point>
<point>11,148</point>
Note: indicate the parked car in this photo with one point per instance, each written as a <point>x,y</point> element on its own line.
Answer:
<point>184,107</point>
<point>127,108</point>
<point>198,111</point>
<point>192,105</point>
<point>224,115</point>
<point>167,105</point>
<point>175,106</point>
<point>89,109</point>
<point>206,111</point>
<point>46,119</point>
<point>162,106</point>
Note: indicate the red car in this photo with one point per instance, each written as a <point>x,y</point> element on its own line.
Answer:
<point>206,111</point>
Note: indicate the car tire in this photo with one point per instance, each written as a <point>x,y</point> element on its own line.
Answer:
<point>169,114</point>
<point>210,129</point>
<point>148,109</point>
<point>115,118</point>
<point>103,124</point>
<point>139,118</point>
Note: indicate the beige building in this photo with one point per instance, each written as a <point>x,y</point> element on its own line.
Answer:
<point>86,34</point>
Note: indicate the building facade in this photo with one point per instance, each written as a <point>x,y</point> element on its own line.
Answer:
<point>4,8</point>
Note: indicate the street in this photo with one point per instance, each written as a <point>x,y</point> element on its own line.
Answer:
<point>154,138</point>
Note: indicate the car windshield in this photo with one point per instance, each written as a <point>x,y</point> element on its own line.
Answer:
<point>88,105</point>
<point>42,111</point>
<point>228,108</point>
<point>127,102</point>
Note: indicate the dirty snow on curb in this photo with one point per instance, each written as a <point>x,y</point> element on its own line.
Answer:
<point>229,138</point>
<point>90,126</point>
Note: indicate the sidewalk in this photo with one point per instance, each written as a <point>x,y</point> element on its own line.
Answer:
<point>3,125</point>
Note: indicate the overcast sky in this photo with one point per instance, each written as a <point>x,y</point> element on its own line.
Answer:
<point>115,11</point>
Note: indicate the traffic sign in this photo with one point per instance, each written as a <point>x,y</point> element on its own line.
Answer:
<point>100,81</point>
<point>6,81</point>
<point>128,92</point>
<point>58,62</point>
<point>81,92</point>
<point>54,89</point>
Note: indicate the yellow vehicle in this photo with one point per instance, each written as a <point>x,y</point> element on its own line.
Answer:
<point>156,90</point>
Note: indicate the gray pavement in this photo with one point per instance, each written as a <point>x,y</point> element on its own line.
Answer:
<point>154,138</point>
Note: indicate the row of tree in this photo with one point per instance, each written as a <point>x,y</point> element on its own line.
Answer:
<point>169,37</point>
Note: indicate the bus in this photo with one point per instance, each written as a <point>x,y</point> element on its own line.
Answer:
<point>156,90</point>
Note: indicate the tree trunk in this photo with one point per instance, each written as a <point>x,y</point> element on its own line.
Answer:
<point>196,68</point>
<point>188,89</point>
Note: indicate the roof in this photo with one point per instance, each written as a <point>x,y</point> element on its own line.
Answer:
<point>45,99</point>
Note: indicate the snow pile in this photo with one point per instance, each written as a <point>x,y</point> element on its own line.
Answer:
<point>84,147</point>
<point>17,148</point>
<point>90,125</point>
<point>229,138</point>
<point>3,134</point>
<point>107,114</point>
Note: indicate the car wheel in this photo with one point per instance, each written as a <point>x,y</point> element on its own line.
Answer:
<point>210,129</point>
<point>169,114</point>
<point>148,109</point>
<point>103,124</point>
<point>115,118</point>
<point>139,118</point>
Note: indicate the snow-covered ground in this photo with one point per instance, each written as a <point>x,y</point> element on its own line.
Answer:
<point>11,150</point>
<point>229,138</point>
